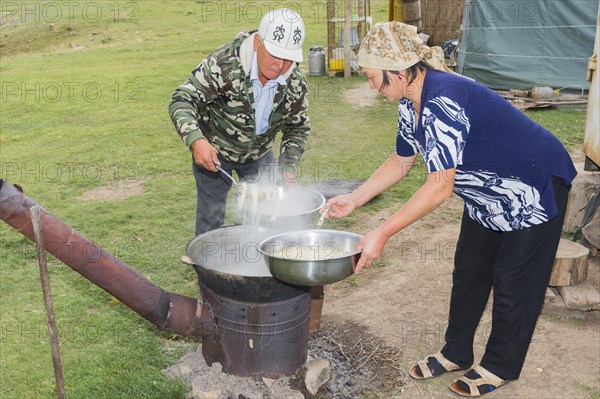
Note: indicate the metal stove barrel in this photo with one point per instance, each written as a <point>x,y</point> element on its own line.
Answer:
<point>267,339</point>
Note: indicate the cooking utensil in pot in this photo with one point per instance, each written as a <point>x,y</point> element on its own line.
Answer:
<point>258,191</point>
<point>311,257</point>
<point>322,218</point>
<point>235,183</point>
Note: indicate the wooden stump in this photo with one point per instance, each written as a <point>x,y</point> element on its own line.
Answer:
<point>570,265</point>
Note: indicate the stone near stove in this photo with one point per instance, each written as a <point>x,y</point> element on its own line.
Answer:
<point>280,389</point>
<point>268,382</point>
<point>181,370</point>
<point>199,394</point>
<point>316,374</point>
<point>550,295</point>
<point>286,394</point>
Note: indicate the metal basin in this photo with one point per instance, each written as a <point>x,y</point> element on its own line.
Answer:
<point>296,209</point>
<point>311,257</point>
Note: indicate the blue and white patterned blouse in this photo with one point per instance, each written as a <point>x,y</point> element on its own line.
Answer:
<point>504,161</point>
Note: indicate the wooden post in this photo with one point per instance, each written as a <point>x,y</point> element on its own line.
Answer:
<point>348,39</point>
<point>362,18</point>
<point>331,26</point>
<point>41,252</point>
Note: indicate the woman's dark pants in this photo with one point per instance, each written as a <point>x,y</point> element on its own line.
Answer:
<point>517,265</point>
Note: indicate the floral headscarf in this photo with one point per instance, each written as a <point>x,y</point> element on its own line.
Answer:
<point>395,46</point>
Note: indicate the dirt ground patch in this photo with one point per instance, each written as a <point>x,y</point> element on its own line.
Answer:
<point>404,301</point>
<point>361,96</point>
<point>114,191</point>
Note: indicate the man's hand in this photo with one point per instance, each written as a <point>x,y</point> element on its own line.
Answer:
<point>205,155</point>
<point>288,179</point>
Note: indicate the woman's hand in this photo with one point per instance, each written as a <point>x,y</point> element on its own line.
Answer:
<point>371,246</point>
<point>339,207</point>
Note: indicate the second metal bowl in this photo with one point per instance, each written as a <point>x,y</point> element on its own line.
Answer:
<point>332,256</point>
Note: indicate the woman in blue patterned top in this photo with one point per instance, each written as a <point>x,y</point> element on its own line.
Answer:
<point>514,177</point>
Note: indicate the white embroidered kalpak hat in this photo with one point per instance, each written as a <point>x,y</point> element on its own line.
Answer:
<point>282,32</point>
<point>395,46</point>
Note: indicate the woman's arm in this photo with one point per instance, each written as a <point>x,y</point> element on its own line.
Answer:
<point>391,171</point>
<point>437,189</point>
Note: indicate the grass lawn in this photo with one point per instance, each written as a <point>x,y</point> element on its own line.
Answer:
<point>84,105</point>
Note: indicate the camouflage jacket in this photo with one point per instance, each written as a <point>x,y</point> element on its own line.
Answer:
<point>217,104</point>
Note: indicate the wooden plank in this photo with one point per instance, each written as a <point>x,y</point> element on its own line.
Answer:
<point>557,308</point>
<point>580,297</point>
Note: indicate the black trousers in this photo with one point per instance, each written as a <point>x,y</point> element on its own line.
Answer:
<point>517,265</point>
<point>212,188</point>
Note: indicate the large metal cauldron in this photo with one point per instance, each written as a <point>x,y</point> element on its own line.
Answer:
<point>228,261</point>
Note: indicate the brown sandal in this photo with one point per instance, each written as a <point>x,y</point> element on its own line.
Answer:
<point>479,381</point>
<point>427,373</point>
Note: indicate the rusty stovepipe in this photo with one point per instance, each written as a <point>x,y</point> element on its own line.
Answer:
<point>166,310</point>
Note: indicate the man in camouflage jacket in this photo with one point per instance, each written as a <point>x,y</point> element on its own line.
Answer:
<point>214,112</point>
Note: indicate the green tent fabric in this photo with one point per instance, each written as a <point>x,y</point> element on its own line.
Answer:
<point>520,44</point>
